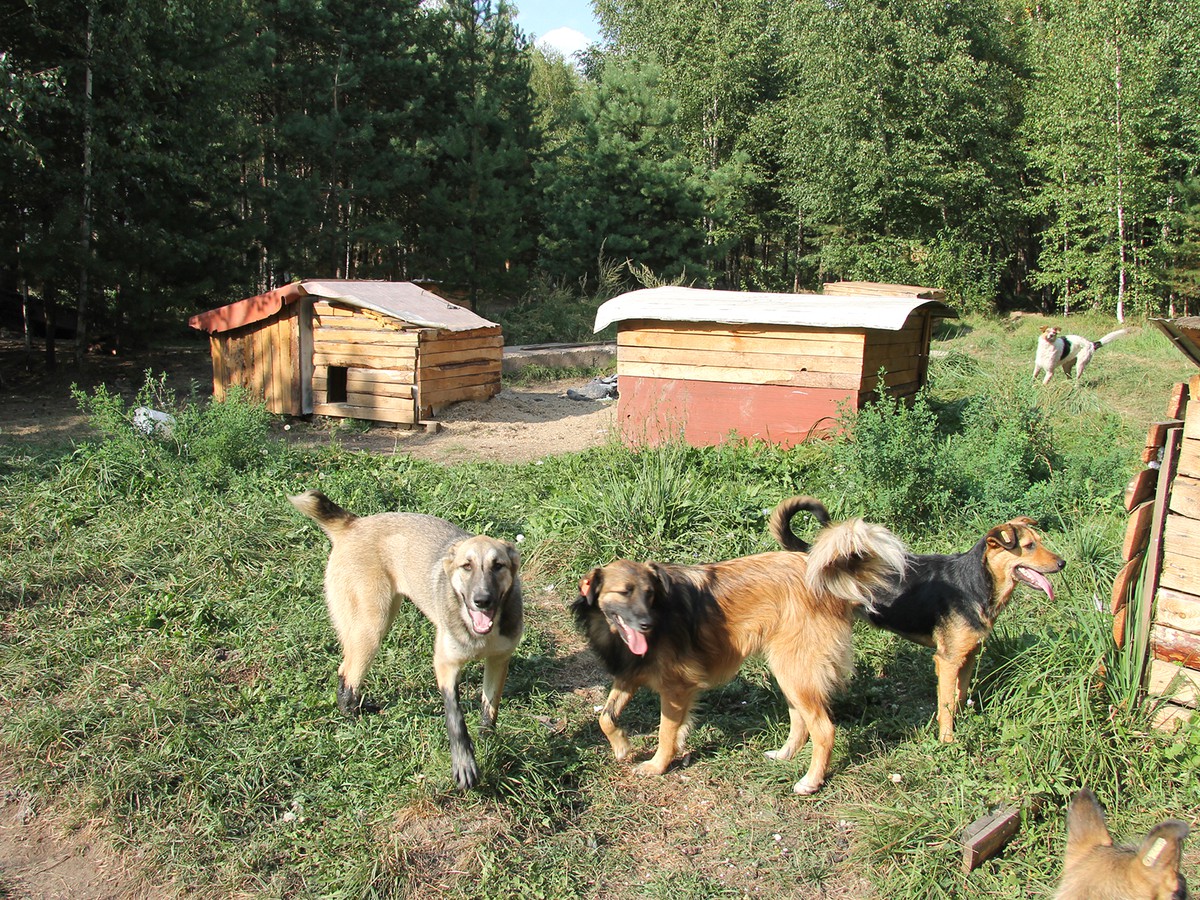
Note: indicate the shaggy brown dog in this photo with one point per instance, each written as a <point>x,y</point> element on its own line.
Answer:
<point>948,602</point>
<point>682,629</point>
<point>1096,870</point>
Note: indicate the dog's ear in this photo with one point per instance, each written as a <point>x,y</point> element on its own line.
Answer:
<point>589,586</point>
<point>1023,520</point>
<point>1085,824</point>
<point>660,580</point>
<point>1162,849</point>
<point>1005,536</point>
<point>514,556</point>
<point>448,561</point>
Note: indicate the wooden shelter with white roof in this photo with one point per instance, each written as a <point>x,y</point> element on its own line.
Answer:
<point>378,350</point>
<point>707,365</point>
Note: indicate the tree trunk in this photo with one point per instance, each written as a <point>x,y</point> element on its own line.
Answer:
<point>85,211</point>
<point>1120,191</point>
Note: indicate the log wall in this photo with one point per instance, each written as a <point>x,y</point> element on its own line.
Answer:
<point>1162,550</point>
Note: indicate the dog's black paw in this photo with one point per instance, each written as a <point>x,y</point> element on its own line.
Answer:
<point>353,704</point>
<point>466,773</point>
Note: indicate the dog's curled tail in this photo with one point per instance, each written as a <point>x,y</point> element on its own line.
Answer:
<point>1111,336</point>
<point>781,521</point>
<point>858,562</point>
<point>331,517</point>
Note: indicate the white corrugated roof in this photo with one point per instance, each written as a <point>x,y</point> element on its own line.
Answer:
<point>680,304</point>
<point>400,300</point>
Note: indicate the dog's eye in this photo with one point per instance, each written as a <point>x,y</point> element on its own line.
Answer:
<point>497,564</point>
<point>468,565</point>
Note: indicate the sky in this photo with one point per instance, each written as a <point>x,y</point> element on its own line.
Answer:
<point>566,25</point>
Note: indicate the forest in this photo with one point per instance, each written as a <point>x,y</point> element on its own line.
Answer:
<point>159,158</point>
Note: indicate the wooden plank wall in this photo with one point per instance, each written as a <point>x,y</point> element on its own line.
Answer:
<point>741,354</point>
<point>458,365</point>
<point>1160,551</point>
<point>380,358</point>
<point>1175,635</point>
<point>264,359</point>
<point>903,354</point>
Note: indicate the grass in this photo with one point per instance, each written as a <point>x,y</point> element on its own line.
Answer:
<point>167,669</point>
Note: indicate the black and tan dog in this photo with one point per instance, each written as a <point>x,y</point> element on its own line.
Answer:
<point>1096,870</point>
<point>948,602</point>
<point>681,629</point>
<point>467,585</point>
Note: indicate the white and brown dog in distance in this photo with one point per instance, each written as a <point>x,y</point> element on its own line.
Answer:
<point>1056,350</point>
<point>1096,870</point>
<point>467,585</point>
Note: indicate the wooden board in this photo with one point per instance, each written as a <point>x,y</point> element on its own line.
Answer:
<point>1189,457</point>
<point>736,359</point>
<point>730,375</point>
<point>1171,717</point>
<point>1180,573</point>
<point>652,411</point>
<point>1173,645</point>
<point>1118,630</point>
<point>1185,496</point>
<point>1140,488</point>
<point>710,342</point>
<point>1177,610</point>
<point>1124,582</point>
<point>1157,435</point>
<point>1178,400</point>
<point>429,404</point>
<point>1181,537</point>
<point>1154,565</point>
<point>985,837</point>
<point>1191,418</point>
<point>1177,683</point>
<point>397,411</point>
<point>854,336</point>
<point>1137,530</point>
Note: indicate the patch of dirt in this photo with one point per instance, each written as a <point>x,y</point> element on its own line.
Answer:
<point>39,861</point>
<point>518,425</point>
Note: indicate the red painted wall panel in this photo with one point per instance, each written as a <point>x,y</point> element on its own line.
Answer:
<point>652,411</point>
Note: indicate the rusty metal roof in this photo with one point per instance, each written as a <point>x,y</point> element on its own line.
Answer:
<point>679,304</point>
<point>401,300</point>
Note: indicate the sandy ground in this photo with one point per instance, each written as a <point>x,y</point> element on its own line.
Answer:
<point>518,425</point>
<point>40,856</point>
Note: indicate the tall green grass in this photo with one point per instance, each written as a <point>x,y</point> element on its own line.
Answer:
<point>167,668</point>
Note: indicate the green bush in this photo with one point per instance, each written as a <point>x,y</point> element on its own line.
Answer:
<point>893,458</point>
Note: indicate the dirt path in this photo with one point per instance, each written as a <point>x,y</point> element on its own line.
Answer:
<point>520,424</point>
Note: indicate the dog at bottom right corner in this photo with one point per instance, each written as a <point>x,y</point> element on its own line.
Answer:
<point>1096,869</point>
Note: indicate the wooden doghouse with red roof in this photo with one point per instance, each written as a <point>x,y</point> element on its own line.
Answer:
<point>377,350</point>
<point>707,365</point>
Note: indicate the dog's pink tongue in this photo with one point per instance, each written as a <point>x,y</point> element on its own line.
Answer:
<point>635,640</point>
<point>481,621</point>
<point>1036,579</point>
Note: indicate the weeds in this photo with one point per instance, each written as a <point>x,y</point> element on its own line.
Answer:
<point>167,668</point>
